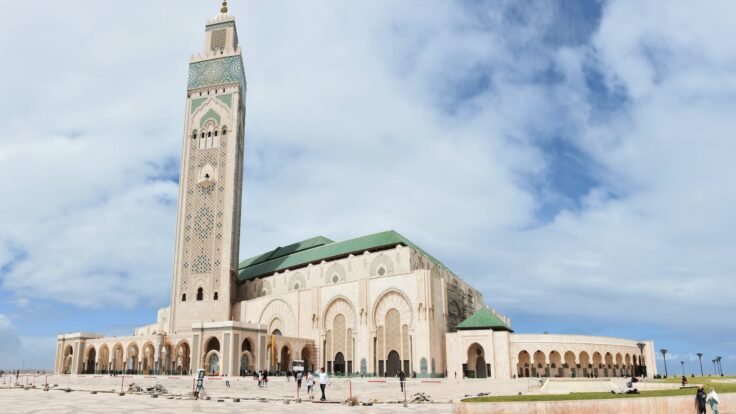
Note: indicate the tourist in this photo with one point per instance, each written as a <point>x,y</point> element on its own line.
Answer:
<point>324,380</point>
<point>265,378</point>
<point>299,379</point>
<point>402,379</point>
<point>260,378</point>
<point>700,398</point>
<point>713,401</point>
<point>684,380</point>
<point>310,385</point>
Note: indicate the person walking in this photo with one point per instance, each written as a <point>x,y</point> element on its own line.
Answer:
<point>713,401</point>
<point>402,379</point>
<point>298,377</point>
<point>700,398</point>
<point>324,380</point>
<point>310,385</point>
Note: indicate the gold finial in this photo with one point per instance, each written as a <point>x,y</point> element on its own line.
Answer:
<point>223,10</point>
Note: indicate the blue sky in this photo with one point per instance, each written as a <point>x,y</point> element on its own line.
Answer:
<point>571,159</point>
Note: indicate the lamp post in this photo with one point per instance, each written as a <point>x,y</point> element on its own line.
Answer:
<point>642,366</point>
<point>700,357</point>
<point>683,367</point>
<point>664,357</point>
<point>720,367</point>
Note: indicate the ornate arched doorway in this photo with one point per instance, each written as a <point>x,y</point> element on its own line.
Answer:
<point>339,367</point>
<point>285,359</point>
<point>68,358</point>
<point>212,356</point>
<point>393,364</point>
<point>524,364</point>
<point>476,362</point>
<point>182,359</point>
<point>306,356</point>
<point>91,361</point>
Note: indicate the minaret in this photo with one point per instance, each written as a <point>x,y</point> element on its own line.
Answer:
<point>210,189</point>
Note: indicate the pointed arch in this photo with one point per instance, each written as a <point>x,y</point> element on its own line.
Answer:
<point>392,299</point>
<point>278,309</point>
<point>339,305</point>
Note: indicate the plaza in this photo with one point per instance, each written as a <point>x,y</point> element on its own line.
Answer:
<point>280,395</point>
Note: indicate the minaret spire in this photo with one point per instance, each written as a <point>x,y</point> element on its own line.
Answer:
<point>223,10</point>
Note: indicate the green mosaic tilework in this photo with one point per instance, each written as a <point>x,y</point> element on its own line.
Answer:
<point>211,114</point>
<point>216,72</point>
<point>196,103</point>
<point>226,99</point>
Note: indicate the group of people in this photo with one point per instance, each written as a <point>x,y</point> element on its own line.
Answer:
<point>262,377</point>
<point>702,399</point>
<point>323,379</point>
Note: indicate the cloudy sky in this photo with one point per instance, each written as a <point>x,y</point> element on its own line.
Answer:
<point>571,159</point>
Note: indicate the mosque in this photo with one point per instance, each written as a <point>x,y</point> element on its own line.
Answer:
<point>372,305</point>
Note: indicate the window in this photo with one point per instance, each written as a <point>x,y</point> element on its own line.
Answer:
<point>183,297</point>
<point>215,295</point>
<point>224,130</point>
<point>381,271</point>
<point>335,278</point>
<point>194,135</point>
<point>296,286</point>
<point>200,294</point>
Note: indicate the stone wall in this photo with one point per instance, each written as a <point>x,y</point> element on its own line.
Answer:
<point>654,405</point>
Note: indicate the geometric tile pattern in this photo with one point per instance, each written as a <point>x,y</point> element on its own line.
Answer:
<point>216,72</point>
<point>204,217</point>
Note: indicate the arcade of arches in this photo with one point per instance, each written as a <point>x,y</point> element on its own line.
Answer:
<point>577,364</point>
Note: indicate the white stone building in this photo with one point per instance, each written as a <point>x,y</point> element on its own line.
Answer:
<point>370,305</point>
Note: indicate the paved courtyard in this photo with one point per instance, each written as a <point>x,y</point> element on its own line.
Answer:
<point>36,401</point>
<point>385,394</point>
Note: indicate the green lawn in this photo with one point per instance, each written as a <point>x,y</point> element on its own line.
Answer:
<point>706,381</point>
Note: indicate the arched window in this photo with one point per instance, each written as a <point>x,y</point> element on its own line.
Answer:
<point>183,297</point>
<point>194,135</point>
<point>200,294</point>
<point>215,295</point>
<point>224,130</point>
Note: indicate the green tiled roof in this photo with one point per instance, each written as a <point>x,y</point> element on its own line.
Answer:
<point>483,319</point>
<point>317,249</point>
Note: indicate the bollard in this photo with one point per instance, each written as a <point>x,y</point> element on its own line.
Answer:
<point>404,393</point>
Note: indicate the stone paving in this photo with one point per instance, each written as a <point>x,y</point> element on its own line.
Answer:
<point>18,400</point>
<point>385,394</point>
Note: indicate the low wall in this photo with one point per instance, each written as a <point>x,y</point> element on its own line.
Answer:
<point>652,405</point>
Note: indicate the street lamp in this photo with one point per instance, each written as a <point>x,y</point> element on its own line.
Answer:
<point>683,367</point>
<point>720,367</point>
<point>700,357</point>
<point>664,356</point>
<point>642,366</point>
